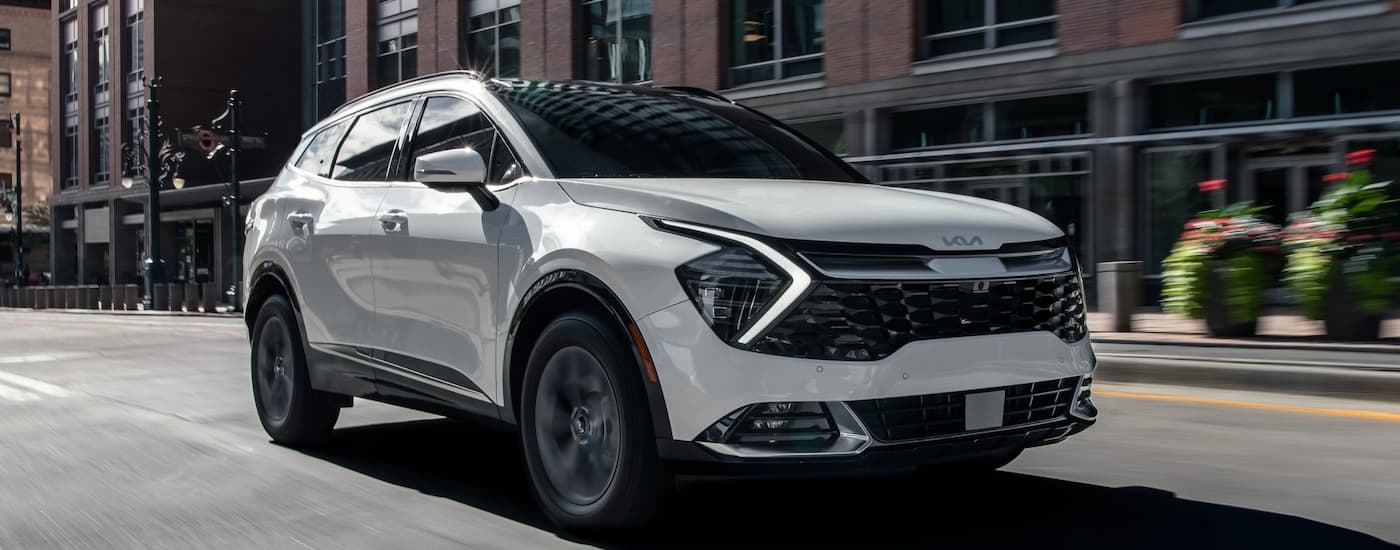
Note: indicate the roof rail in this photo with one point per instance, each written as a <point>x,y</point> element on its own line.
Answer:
<point>443,74</point>
<point>694,90</point>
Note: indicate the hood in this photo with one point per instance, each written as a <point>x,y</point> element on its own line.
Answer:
<point>822,211</point>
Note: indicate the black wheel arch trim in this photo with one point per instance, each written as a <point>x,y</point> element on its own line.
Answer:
<point>600,292</point>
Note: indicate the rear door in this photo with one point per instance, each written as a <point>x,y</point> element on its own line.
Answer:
<point>435,268</point>
<point>330,218</point>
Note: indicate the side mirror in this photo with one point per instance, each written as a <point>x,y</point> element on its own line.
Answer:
<point>453,167</point>
<point>456,169</point>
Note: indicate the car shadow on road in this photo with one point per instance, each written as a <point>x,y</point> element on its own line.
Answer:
<point>482,468</point>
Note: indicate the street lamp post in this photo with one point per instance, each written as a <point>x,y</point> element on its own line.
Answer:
<point>234,103</point>
<point>155,272</point>
<point>19,201</point>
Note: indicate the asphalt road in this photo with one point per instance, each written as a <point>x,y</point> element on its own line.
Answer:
<point>139,432</point>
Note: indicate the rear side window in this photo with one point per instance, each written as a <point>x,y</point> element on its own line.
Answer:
<point>316,158</point>
<point>369,147</point>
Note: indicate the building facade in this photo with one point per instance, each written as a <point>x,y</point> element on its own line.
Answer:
<point>24,90</point>
<point>1101,115</point>
<point>106,53</point>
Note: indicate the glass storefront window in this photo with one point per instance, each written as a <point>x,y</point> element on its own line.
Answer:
<point>830,133</point>
<point>1173,196</point>
<point>1038,117</point>
<point>1348,89</point>
<point>941,126</point>
<point>1220,101</point>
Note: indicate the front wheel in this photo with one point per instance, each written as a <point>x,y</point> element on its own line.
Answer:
<point>291,410</point>
<point>586,431</point>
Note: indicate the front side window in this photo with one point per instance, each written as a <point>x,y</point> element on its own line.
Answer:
<point>616,40</point>
<point>1206,9</point>
<point>966,26</point>
<point>606,132</point>
<point>369,147</point>
<point>775,39</point>
<point>493,39</point>
<point>452,123</point>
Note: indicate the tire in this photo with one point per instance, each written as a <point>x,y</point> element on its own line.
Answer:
<point>586,430</point>
<point>291,411</point>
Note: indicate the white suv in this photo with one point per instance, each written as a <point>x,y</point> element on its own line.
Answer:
<point>649,281</point>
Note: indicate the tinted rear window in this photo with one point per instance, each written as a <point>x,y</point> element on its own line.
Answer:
<point>587,131</point>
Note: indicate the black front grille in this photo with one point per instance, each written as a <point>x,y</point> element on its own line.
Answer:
<point>943,414</point>
<point>865,320</point>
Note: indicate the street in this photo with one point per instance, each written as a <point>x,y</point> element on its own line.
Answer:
<point>140,432</point>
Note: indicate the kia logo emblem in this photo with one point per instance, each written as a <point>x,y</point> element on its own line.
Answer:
<point>960,240</point>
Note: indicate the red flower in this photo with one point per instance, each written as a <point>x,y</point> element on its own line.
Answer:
<point>1211,185</point>
<point>1339,176</point>
<point>1363,156</point>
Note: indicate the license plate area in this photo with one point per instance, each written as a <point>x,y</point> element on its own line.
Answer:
<point>984,410</point>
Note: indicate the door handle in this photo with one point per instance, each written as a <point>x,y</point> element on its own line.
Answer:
<point>300,219</point>
<point>393,220</point>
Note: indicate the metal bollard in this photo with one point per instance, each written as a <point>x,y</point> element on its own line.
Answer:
<point>1120,290</point>
<point>160,298</point>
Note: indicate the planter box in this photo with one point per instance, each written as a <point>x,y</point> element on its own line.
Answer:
<point>1218,311</point>
<point>1343,316</point>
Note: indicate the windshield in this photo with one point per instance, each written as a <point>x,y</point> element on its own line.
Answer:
<point>589,131</point>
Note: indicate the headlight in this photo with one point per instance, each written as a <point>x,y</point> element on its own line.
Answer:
<point>743,288</point>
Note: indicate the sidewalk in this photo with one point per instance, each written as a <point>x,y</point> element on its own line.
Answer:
<point>1278,331</point>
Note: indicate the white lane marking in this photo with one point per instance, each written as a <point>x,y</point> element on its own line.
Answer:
<point>42,357</point>
<point>15,394</point>
<point>33,385</point>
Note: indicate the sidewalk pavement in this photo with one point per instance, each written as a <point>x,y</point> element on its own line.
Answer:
<point>1277,331</point>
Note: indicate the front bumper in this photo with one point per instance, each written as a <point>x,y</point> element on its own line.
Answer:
<point>690,458</point>
<point>703,379</point>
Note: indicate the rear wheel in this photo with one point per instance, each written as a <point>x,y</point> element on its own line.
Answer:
<point>290,410</point>
<point>586,431</point>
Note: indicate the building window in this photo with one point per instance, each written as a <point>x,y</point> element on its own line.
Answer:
<point>1349,89</point>
<point>1205,9</point>
<point>1222,101</point>
<point>616,40</point>
<point>100,49</point>
<point>964,26</point>
<point>1007,120</point>
<point>70,61</point>
<point>330,56</point>
<point>1041,117</point>
<point>775,39</point>
<point>829,133</point>
<point>70,153</point>
<point>398,59</point>
<point>101,151</point>
<point>493,39</point>
<point>1055,186</point>
<point>4,39</point>
<point>133,152</point>
<point>1172,175</point>
<point>134,43</point>
<point>6,82</point>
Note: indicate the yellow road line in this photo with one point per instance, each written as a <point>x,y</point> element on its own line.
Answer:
<point>1320,411</point>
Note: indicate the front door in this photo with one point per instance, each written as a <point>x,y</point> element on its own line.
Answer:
<point>435,269</point>
<point>1285,184</point>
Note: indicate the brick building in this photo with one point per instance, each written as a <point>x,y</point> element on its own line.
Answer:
<point>1099,114</point>
<point>105,52</point>
<point>24,89</point>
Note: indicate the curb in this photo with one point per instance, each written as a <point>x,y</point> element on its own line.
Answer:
<point>1253,344</point>
<point>1369,382</point>
<point>128,313</point>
